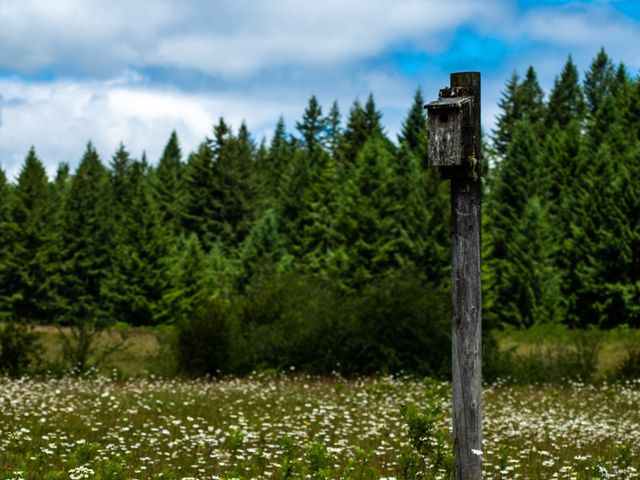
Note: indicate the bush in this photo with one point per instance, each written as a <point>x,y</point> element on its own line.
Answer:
<point>288,319</point>
<point>401,323</point>
<point>19,350</point>
<point>202,344</point>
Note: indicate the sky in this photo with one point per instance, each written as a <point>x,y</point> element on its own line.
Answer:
<point>131,71</point>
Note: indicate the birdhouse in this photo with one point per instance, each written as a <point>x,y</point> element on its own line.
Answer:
<point>450,126</point>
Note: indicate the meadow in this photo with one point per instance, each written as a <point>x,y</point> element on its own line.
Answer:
<point>297,426</point>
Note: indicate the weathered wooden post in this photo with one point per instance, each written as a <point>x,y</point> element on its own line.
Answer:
<point>454,147</point>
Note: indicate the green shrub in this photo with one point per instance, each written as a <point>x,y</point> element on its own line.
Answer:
<point>400,323</point>
<point>202,344</point>
<point>19,349</point>
<point>288,319</point>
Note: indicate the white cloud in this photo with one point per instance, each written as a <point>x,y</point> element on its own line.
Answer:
<point>58,118</point>
<point>229,37</point>
<point>260,59</point>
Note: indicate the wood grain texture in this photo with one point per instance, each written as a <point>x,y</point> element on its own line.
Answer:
<point>466,300</point>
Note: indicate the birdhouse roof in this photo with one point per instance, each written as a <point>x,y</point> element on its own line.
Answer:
<point>448,102</point>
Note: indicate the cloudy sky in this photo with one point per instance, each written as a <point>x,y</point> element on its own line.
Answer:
<point>131,71</point>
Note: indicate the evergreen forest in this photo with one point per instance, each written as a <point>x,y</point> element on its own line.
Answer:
<point>327,246</point>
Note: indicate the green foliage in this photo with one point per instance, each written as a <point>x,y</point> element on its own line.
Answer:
<point>86,257</point>
<point>137,279</point>
<point>313,127</point>
<point>19,349</point>
<point>203,339</point>
<point>30,268</point>
<point>434,457</point>
<point>342,213</point>
<point>302,321</point>
<point>169,185</point>
<point>400,323</point>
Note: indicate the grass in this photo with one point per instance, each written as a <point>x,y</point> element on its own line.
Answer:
<point>144,351</point>
<point>296,426</point>
<point>614,345</point>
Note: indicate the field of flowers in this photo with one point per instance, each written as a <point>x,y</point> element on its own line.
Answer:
<point>295,426</point>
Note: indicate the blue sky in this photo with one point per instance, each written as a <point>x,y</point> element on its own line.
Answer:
<point>131,71</point>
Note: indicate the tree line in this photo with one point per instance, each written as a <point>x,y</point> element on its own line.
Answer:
<point>337,204</point>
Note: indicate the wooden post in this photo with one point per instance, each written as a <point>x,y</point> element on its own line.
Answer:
<point>455,150</point>
<point>466,300</point>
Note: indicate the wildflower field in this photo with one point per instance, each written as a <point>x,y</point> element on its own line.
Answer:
<point>295,426</point>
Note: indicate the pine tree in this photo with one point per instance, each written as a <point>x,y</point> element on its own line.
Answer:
<point>198,216</point>
<point>234,187</point>
<point>520,101</point>
<point>414,128</point>
<point>508,116</point>
<point>87,244</point>
<point>530,99</point>
<point>264,248</point>
<point>566,101</point>
<point>355,134</point>
<point>412,244</point>
<point>290,205</point>
<point>373,118</point>
<point>313,127</point>
<point>195,277</point>
<point>5,244</point>
<point>528,287</point>
<point>137,278</point>
<point>604,265</point>
<point>334,130</point>
<point>365,219</point>
<point>30,267</point>
<point>169,190</point>
<point>598,82</point>
<point>319,236</point>
<point>274,164</point>
<point>427,188</point>
<point>522,266</point>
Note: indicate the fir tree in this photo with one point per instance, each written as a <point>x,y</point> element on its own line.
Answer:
<point>372,119</point>
<point>523,263</point>
<point>87,243</point>
<point>530,99</point>
<point>598,82</point>
<point>264,248</point>
<point>169,188</point>
<point>319,229</point>
<point>5,244</point>
<point>355,134</point>
<point>313,127</point>
<point>427,188</point>
<point>198,215</point>
<point>30,267</point>
<point>508,116</point>
<point>137,278</point>
<point>566,101</point>
<point>334,130</point>
<point>365,218</point>
<point>271,167</point>
<point>195,277</point>
<point>234,188</point>
<point>520,101</point>
<point>414,128</point>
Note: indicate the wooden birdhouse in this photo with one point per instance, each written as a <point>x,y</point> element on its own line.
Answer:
<point>451,133</point>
